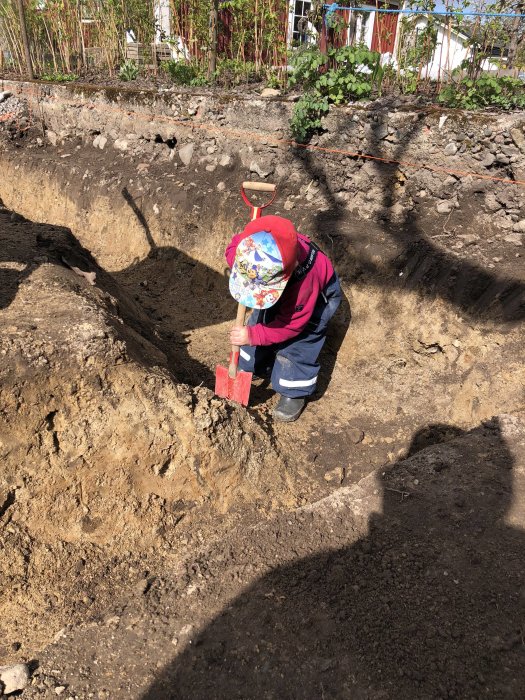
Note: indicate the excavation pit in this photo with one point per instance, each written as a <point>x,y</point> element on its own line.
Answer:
<point>114,448</point>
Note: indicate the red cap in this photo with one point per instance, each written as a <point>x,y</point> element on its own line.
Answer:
<point>284,234</point>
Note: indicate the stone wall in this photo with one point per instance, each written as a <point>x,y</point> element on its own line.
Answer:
<point>418,155</point>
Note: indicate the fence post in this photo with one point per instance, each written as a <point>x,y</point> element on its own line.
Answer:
<point>25,39</point>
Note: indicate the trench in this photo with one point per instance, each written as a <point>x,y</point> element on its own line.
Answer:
<point>427,342</point>
<point>441,348</point>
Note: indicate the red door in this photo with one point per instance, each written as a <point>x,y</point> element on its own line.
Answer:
<point>384,35</point>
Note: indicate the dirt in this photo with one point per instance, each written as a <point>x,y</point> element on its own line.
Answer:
<point>408,584</point>
<point>103,453</point>
<point>160,542</point>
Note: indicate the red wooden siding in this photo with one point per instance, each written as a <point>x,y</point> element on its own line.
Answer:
<point>384,34</point>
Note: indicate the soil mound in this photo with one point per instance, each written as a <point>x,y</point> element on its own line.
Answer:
<point>100,446</point>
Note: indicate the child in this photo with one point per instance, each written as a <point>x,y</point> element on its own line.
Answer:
<point>294,291</point>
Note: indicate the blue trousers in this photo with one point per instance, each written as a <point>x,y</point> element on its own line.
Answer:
<point>293,364</point>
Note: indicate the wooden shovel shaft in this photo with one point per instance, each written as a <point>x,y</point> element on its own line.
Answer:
<point>241,310</point>
<point>259,186</point>
<point>234,360</point>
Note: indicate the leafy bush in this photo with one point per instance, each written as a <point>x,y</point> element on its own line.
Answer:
<point>306,63</point>
<point>307,116</point>
<point>128,71</point>
<point>185,73</point>
<point>231,72</point>
<point>58,77</point>
<point>273,80</point>
<point>488,91</point>
<point>339,75</point>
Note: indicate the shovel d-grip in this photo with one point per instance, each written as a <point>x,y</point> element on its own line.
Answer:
<point>258,187</point>
<point>229,382</point>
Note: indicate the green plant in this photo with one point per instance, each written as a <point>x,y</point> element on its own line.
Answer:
<point>181,72</point>
<point>273,80</point>
<point>341,74</point>
<point>416,48</point>
<point>231,72</point>
<point>128,71</point>
<point>307,116</point>
<point>58,77</point>
<point>347,72</point>
<point>502,92</point>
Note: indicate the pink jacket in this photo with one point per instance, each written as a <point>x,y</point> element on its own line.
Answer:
<point>298,300</point>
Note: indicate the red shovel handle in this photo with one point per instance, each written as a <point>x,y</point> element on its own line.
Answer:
<point>258,187</point>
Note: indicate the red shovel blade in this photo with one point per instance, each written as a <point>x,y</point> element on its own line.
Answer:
<point>237,389</point>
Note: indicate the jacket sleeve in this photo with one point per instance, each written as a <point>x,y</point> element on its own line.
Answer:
<point>296,309</point>
<point>232,249</point>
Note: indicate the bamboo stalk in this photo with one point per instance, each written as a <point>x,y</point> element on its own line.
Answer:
<point>214,36</point>
<point>25,39</point>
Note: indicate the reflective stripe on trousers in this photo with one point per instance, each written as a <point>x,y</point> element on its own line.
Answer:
<point>293,364</point>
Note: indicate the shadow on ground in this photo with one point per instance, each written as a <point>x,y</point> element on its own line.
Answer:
<point>430,604</point>
<point>26,245</point>
<point>410,259</point>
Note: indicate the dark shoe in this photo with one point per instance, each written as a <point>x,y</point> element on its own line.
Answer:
<point>288,410</point>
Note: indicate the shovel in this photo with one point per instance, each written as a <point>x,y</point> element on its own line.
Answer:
<point>230,383</point>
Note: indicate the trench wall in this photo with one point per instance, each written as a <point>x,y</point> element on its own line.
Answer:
<point>419,156</point>
<point>430,260</point>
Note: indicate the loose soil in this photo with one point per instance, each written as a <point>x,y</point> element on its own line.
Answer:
<point>165,543</point>
<point>409,584</point>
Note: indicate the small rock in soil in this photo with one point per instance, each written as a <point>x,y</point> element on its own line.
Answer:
<point>270,92</point>
<point>186,153</point>
<point>337,475</point>
<point>491,202</point>
<point>121,145</point>
<point>356,436</point>
<point>52,137</point>
<point>261,170</point>
<point>444,207</point>
<point>100,142</point>
<point>14,677</point>
<point>488,160</point>
<point>514,238</point>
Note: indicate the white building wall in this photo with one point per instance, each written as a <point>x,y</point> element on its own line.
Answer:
<point>449,54</point>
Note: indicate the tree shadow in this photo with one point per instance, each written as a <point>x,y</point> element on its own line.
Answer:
<point>199,295</point>
<point>26,245</point>
<point>411,262</point>
<point>428,605</point>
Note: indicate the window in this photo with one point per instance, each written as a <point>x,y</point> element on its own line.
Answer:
<point>301,9</point>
